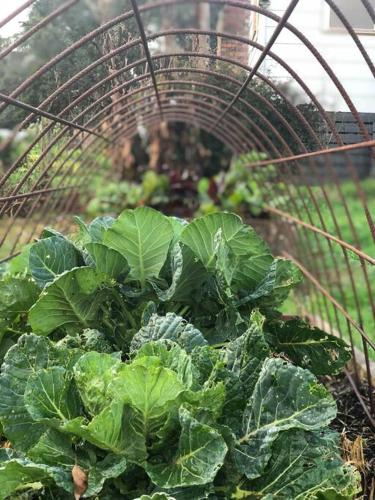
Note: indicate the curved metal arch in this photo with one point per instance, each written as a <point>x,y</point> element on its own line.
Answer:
<point>248,135</point>
<point>240,5</point>
<point>318,105</point>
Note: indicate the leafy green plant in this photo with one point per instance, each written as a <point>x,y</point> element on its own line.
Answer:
<point>159,365</point>
<point>179,417</point>
<point>113,197</point>
<point>239,190</point>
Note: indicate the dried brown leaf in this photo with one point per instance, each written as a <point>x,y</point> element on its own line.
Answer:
<point>80,481</point>
<point>353,451</point>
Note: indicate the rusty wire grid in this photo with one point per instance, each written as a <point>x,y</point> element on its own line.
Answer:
<point>170,72</point>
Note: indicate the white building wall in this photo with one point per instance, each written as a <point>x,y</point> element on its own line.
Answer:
<point>311,17</point>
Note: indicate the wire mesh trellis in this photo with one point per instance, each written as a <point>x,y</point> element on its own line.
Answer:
<point>172,72</point>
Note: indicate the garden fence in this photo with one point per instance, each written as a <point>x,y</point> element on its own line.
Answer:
<point>153,66</point>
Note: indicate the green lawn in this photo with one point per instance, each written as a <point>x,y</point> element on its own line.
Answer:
<point>330,276</point>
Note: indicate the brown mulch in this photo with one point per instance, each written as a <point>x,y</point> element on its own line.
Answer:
<point>358,437</point>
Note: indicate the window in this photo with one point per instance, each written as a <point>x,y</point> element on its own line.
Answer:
<point>355,12</point>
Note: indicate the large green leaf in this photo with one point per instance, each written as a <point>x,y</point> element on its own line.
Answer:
<point>71,301</point>
<point>17,474</point>
<point>50,396</point>
<point>170,355</point>
<point>58,450</point>
<point>50,257</point>
<point>143,237</point>
<point>156,496</point>
<point>285,397</point>
<point>99,226</point>
<point>93,232</point>
<point>152,391</point>
<point>304,466</point>
<point>54,448</point>
<point>17,296</point>
<point>192,278</point>
<point>200,454</point>
<point>110,467</point>
<point>201,492</point>
<point>282,276</point>
<point>108,261</point>
<point>244,358</point>
<point>176,265</point>
<point>31,354</point>
<point>19,265</point>
<point>115,429</point>
<point>308,347</point>
<point>139,403</point>
<point>171,327</point>
<point>250,255</point>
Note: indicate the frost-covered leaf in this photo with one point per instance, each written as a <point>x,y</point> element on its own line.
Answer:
<point>108,261</point>
<point>71,301</point>
<point>50,257</point>
<point>309,347</point>
<point>170,327</point>
<point>143,237</point>
<point>285,397</point>
<point>200,454</point>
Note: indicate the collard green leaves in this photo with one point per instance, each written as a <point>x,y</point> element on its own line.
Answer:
<point>247,255</point>
<point>169,327</point>
<point>108,261</point>
<point>29,356</point>
<point>143,237</point>
<point>308,347</point>
<point>71,301</point>
<point>165,412</point>
<point>18,294</point>
<point>304,465</point>
<point>285,397</point>
<point>164,377</point>
<point>200,454</point>
<point>50,257</point>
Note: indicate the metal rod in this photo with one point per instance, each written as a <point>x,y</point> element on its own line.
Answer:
<point>50,116</point>
<point>142,33</point>
<point>262,57</point>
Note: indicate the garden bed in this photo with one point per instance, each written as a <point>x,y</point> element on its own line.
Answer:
<point>148,355</point>
<point>358,437</point>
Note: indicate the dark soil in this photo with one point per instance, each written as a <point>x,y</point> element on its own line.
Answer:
<point>353,423</point>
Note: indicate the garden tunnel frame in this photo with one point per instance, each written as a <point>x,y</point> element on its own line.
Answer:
<point>169,93</point>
